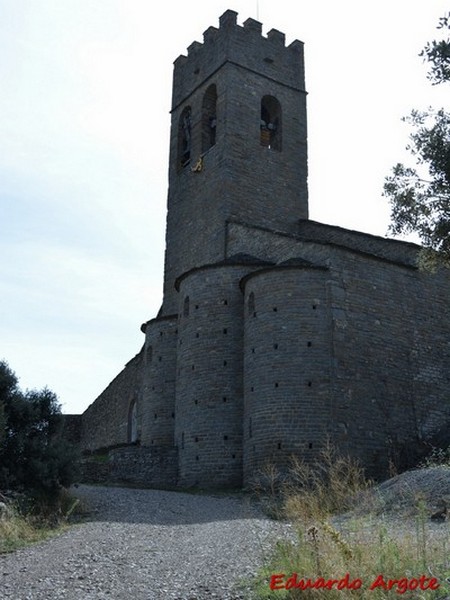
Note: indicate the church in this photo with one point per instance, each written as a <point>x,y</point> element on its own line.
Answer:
<point>276,333</point>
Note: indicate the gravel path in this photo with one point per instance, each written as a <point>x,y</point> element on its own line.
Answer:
<point>145,545</point>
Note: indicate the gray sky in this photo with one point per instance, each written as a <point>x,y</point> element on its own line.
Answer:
<point>84,130</point>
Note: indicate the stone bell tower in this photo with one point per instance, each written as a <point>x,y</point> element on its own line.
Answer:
<point>238,146</point>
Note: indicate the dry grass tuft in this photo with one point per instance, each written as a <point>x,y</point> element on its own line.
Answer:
<point>17,531</point>
<point>363,546</point>
<point>330,485</point>
<point>28,521</point>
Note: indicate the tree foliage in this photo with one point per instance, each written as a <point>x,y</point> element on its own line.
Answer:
<point>420,195</point>
<point>33,454</point>
<point>437,53</point>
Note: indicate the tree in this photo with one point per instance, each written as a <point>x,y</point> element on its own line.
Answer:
<point>34,457</point>
<point>438,54</point>
<point>420,195</point>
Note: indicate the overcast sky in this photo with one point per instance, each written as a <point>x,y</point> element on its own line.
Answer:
<point>84,130</point>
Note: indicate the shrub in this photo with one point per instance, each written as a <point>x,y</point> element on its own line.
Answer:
<point>327,486</point>
<point>437,457</point>
<point>34,457</point>
<point>330,552</point>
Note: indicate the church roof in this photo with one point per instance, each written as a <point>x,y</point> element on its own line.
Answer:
<point>291,263</point>
<point>297,261</point>
<point>237,260</point>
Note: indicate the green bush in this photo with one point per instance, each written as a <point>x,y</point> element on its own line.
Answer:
<point>34,457</point>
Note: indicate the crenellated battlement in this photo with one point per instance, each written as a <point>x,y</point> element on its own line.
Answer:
<point>228,19</point>
<point>243,45</point>
<point>239,107</point>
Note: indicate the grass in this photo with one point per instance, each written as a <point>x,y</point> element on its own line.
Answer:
<point>101,458</point>
<point>359,547</point>
<point>17,531</point>
<point>26,523</point>
<point>322,551</point>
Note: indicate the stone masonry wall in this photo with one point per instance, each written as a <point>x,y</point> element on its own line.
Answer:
<point>389,354</point>
<point>287,409</point>
<point>242,45</point>
<point>144,466</point>
<point>237,177</point>
<point>106,421</point>
<point>278,246</point>
<point>391,359</point>
<point>392,250</point>
<point>132,465</point>
<point>157,407</point>
<point>209,400</point>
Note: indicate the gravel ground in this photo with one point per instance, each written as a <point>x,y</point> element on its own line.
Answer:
<point>146,545</point>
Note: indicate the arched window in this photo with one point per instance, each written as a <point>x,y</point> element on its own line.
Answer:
<point>184,137</point>
<point>186,307</point>
<point>251,304</point>
<point>132,422</point>
<point>271,130</point>
<point>209,118</point>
